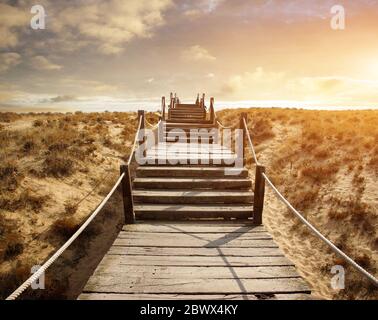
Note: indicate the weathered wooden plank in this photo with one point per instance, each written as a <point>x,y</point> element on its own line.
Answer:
<point>161,251</point>
<point>191,197</point>
<point>168,272</point>
<point>170,211</point>
<point>112,283</point>
<point>149,296</point>
<point>193,227</point>
<point>207,237</point>
<point>194,242</point>
<point>198,261</point>
<point>151,171</point>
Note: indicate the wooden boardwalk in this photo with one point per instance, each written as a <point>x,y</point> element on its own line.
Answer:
<point>199,233</point>
<point>195,260</point>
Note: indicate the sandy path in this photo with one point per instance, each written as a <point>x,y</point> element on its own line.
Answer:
<point>293,238</point>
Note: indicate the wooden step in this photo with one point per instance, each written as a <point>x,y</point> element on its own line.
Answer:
<point>186,115</point>
<point>191,133</point>
<point>178,130</point>
<point>193,161</point>
<point>173,151</point>
<point>183,125</point>
<point>190,155</point>
<point>184,118</point>
<point>191,197</point>
<point>190,183</point>
<point>193,172</point>
<point>186,121</point>
<point>176,118</point>
<point>199,139</point>
<point>187,105</point>
<point>189,112</point>
<point>184,212</point>
<point>186,146</point>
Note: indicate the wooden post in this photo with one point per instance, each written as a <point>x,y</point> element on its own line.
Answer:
<point>127,197</point>
<point>141,113</point>
<point>212,113</point>
<point>241,126</point>
<point>258,200</point>
<point>161,131</point>
<point>142,126</point>
<point>197,100</point>
<point>163,107</point>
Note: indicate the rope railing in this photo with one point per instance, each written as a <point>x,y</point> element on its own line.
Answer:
<point>222,126</point>
<point>58,253</point>
<point>135,141</point>
<point>152,126</point>
<point>250,142</point>
<point>316,232</point>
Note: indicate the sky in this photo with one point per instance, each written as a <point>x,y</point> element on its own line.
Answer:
<point>120,55</point>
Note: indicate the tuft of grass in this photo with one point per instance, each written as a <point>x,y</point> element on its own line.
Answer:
<point>12,250</point>
<point>71,207</point>
<point>22,200</point>
<point>37,123</point>
<point>65,227</point>
<point>10,176</point>
<point>57,166</point>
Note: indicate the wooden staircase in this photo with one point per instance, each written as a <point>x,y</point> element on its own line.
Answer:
<point>193,182</point>
<point>199,259</point>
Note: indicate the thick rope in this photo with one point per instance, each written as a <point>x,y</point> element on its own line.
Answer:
<point>320,236</point>
<point>58,253</point>
<point>135,141</point>
<point>317,233</point>
<point>250,143</point>
<point>222,126</point>
<point>152,126</point>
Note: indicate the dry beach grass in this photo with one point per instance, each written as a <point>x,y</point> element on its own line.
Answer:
<point>325,163</point>
<point>56,168</point>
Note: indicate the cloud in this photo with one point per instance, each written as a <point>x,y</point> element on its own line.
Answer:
<point>197,53</point>
<point>9,60</point>
<point>88,86</point>
<point>253,83</point>
<point>268,85</point>
<point>109,24</point>
<point>197,8</point>
<point>12,20</point>
<point>62,98</point>
<point>42,63</point>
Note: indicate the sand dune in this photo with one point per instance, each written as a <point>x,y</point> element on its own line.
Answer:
<point>325,162</point>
